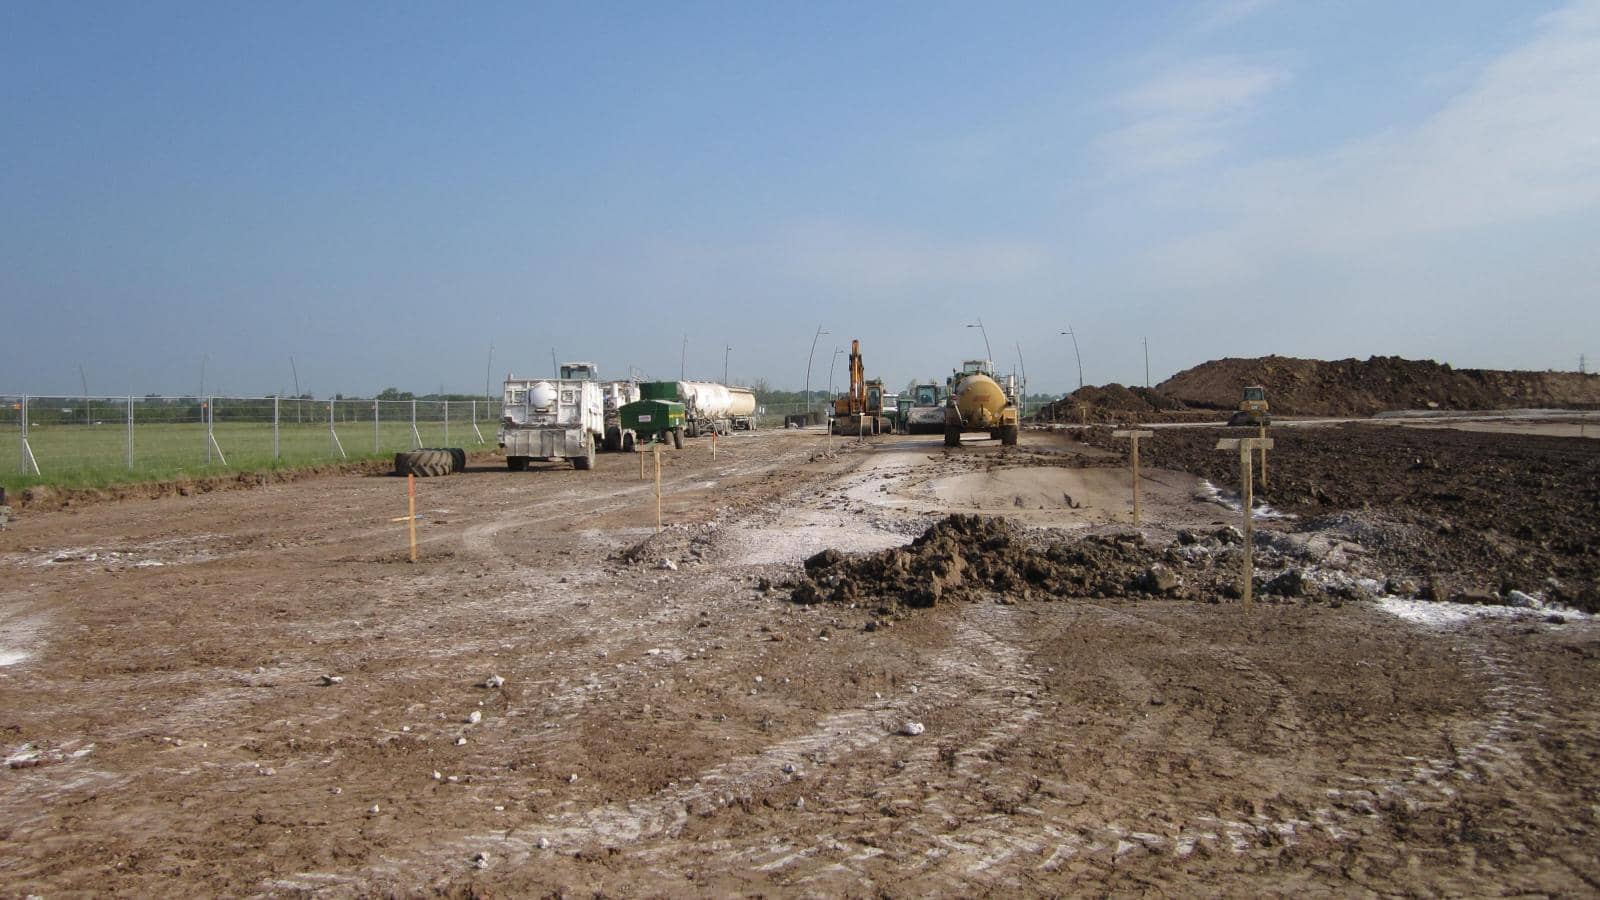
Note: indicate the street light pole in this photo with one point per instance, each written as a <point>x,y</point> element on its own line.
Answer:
<point>836,352</point>
<point>1069,333</point>
<point>725,351</point>
<point>1023,404</point>
<point>986,350</point>
<point>809,356</point>
<point>683,360</point>
<point>1147,362</point>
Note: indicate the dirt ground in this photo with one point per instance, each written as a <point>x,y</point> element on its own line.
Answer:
<point>253,692</point>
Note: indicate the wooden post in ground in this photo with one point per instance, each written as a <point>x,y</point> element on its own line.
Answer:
<point>411,511</point>
<point>1245,448</point>
<point>1083,411</point>
<point>656,448</point>
<point>1263,457</point>
<point>1133,452</point>
<point>640,451</point>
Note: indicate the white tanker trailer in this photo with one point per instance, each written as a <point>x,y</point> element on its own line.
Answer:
<point>709,406</point>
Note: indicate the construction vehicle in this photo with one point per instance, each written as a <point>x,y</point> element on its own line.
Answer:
<point>655,416</point>
<point>553,418</point>
<point>927,409</point>
<point>617,394</point>
<point>859,410</point>
<point>978,402</point>
<point>1252,408</point>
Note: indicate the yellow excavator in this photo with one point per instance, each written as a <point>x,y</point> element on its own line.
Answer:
<point>860,409</point>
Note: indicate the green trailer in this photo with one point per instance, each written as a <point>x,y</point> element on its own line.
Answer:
<point>651,419</point>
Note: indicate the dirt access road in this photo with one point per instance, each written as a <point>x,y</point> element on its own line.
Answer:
<point>688,729</point>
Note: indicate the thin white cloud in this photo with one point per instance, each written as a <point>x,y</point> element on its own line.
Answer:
<point>1182,117</point>
<point>1522,142</point>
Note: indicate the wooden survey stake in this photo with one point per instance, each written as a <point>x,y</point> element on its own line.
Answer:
<point>1245,447</point>
<point>1263,457</point>
<point>1133,452</point>
<point>656,448</point>
<point>411,511</point>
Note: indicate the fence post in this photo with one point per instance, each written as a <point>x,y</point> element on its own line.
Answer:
<point>130,432</point>
<point>376,448</point>
<point>205,422</point>
<point>30,466</point>
<point>275,456</point>
<point>447,423</point>
<point>414,435</point>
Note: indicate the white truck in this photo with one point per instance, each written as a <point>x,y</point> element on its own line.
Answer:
<point>553,418</point>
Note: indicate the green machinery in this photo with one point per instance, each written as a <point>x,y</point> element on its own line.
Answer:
<point>655,416</point>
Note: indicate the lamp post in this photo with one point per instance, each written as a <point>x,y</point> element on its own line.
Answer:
<point>809,356</point>
<point>725,351</point>
<point>1022,405</point>
<point>683,360</point>
<point>836,353</point>
<point>987,352</point>
<point>1075,353</point>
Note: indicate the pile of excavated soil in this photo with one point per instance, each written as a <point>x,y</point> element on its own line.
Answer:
<point>1113,403</point>
<point>1484,512</point>
<point>1314,387</point>
<point>1353,387</point>
<point>968,557</point>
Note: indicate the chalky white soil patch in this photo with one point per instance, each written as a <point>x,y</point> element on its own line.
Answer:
<point>1443,614</point>
<point>1210,493</point>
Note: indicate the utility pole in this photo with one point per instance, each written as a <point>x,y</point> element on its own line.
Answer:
<point>987,352</point>
<point>809,356</point>
<point>555,369</point>
<point>725,351</point>
<point>296,370</point>
<point>1069,333</point>
<point>1147,362</point>
<point>683,360</point>
<point>84,380</point>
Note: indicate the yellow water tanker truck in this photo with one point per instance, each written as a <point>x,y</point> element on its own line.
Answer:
<point>979,403</point>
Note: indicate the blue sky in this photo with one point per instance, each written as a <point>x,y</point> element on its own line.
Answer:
<point>382,190</point>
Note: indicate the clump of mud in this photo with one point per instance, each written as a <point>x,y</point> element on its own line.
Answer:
<point>966,557</point>
<point>678,543</point>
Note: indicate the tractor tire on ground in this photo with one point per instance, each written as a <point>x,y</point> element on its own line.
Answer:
<point>1008,435</point>
<point>426,463</point>
<point>585,462</point>
<point>458,457</point>
<point>629,442</point>
<point>677,438</point>
<point>613,438</point>
<point>517,463</point>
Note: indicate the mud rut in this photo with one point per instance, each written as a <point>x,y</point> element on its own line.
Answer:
<point>662,731</point>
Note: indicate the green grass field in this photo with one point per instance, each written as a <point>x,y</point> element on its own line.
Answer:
<point>97,455</point>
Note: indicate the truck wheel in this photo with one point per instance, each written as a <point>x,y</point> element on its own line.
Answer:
<point>613,438</point>
<point>517,463</point>
<point>952,436</point>
<point>691,429</point>
<point>1008,435</point>
<point>585,462</point>
<point>677,438</point>
<point>628,441</point>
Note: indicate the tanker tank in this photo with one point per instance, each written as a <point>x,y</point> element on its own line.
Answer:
<point>978,403</point>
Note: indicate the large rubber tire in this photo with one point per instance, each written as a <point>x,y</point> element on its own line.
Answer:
<point>458,458</point>
<point>952,436</point>
<point>691,429</point>
<point>427,463</point>
<point>1008,435</point>
<point>629,442</point>
<point>517,463</point>
<point>677,438</point>
<point>585,462</point>
<point>613,438</point>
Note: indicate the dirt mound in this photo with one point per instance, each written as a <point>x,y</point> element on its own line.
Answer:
<point>1492,512</point>
<point>965,557</point>
<point>682,543</point>
<point>1111,403</point>
<point>1347,387</point>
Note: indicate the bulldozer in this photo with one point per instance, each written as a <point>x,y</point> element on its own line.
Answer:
<point>1252,408</point>
<point>860,409</point>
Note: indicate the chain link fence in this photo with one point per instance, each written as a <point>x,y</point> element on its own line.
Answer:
<point>107,438</point>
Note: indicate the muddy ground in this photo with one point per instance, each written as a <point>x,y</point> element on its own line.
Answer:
<point>253,692</point>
